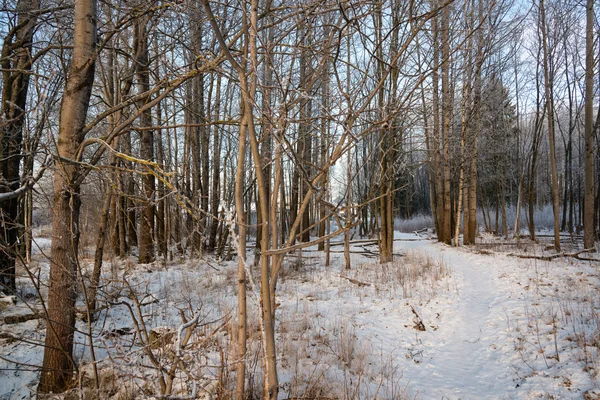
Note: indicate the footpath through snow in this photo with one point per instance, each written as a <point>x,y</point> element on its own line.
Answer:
<point>496,336</point>
<point>463,358</point>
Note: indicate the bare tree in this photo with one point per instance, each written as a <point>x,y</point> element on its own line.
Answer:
<point>146,236</point>
<point>548,82</point>
<point>16,65</point>
<point>58,362</point>
<point>588,219</point>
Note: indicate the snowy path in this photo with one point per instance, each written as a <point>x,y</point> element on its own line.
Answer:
<point>463,358</point>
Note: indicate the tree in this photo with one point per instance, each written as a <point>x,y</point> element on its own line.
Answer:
<point>548,89</point>
<point>16,65</point>
<point>471,214</point>
<point>146,236</point>
<point>497,137</point>
<point>588,219</point>
<point>58,362</point>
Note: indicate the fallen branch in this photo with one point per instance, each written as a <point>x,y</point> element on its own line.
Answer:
<point>419,231</point>
<point>419,325</point>
<point>491,244</point>
<point>562,236</point>
<point>17,319</point>
<point>363,253</point>
<point>529,256</point>
<point>551,257</point>
<point>310,398</point>
<point>355,281</point>
<point>10,338</point>
<point>578,257</point>
<point>358,241</point>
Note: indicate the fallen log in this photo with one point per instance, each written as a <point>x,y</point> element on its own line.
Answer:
<point>17,319</point>
<point>578,257</point>
<point>551,257</point>
<point>355,281</point>
<point>562,235</point>
<point>424,230</point>
<point>358,241</point>
<point>490,244</point>
<point>411,239</point>
<point>530,256</point>
<point>364,253</point>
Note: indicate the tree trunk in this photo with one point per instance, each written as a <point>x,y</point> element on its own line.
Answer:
<point>146,239</point>
<point>215,195</point>
<point>129,207</point>
<point>446,231</point>
<point>437,159</point>
<point>161,212</point>
<point>242,330</point>
<point>305,132</point>
<point>464,135</point>
<point>324,159</point>
<point>58,363</point>
<point>347,260</point>
<point>588,217</point>
<point>503,206</point>
<point>537,133</point>
<point>268,315</point>
<point>248,83</point>
<point>469,237</point>
<point>16,64</point>
<point>204,146</point>
<point>429,145</point>
<point>99,253</point>
<point>550,114</point>
<point>517,229</point>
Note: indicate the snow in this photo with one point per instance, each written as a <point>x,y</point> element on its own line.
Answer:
<point>475,352</point>
<point>493,325</point>
<point>463,358</point>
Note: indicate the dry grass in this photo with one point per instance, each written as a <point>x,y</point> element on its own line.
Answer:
<point>336,364</point>
<point>325,356</point>
<point>321,357</point>
<point>560,326</point>
<point>416,223</point>
<point>413,274</point>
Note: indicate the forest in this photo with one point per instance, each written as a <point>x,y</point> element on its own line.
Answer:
<point>173,173</point>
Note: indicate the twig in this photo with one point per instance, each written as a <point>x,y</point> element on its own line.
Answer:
<point>417,320</point>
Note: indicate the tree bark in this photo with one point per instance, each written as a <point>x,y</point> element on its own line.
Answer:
<point>242,330</point>
<point>215,195</point>
<point>588,216</point>
<point>16,64</point>
<point>146,237</point>
<point>446,231</point>
<point>435,142</point>
<point>324,143</point>
<point>550,114</point>
<point>58,363</point>
<point>471,229</point>
<point>99,253</point>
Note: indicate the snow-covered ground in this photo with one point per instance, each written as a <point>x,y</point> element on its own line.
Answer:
<point>495,326</point>
<point>496,335</point>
